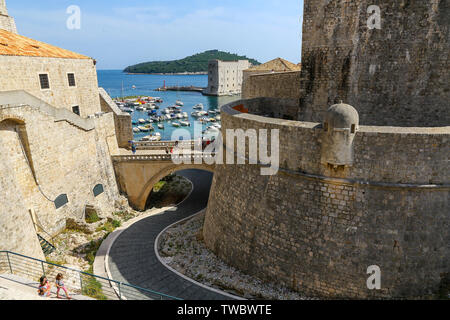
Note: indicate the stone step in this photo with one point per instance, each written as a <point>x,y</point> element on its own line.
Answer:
<point>13,287</point>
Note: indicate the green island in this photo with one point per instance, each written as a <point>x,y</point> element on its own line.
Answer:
<point>197,63</point>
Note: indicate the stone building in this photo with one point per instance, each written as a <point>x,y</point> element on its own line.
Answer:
<point>6,22</point>
<point>277,78</point>
<point>57,134</point>
<point>361,183</point>
<point>272,66</point>
<point>225,77</point>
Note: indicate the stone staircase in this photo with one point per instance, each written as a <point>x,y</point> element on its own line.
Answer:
<point>46,246</point>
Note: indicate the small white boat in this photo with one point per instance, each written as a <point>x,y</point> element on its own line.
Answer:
<point>179,103</point>
<point>185,115</point>
<point>136,130</point>
<point>140,108</point>
<point>161,126</point>
<point>142,121</point>
<point>155,137</point>
<point>218,118</point>
<point>179,116</point>
<point>144,129</point>
<point>185,123</point>
<point>198,106</point>
<point>175,124</point>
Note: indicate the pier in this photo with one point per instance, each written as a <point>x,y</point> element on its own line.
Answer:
<point>182,88</point>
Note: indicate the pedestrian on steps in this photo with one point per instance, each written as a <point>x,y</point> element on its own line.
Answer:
<point>60,285</point>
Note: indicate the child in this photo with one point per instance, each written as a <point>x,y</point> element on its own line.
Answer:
<point>60,285</point>
<point>44,287</point>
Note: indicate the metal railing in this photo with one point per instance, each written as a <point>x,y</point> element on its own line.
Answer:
<point>161,145</point>
<point>76,281</point>
<point>184,158</point>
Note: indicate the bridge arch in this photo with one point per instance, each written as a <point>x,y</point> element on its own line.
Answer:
<point>148,187</point>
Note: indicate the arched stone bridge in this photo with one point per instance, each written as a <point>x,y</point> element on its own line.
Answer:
<point>138,173</point>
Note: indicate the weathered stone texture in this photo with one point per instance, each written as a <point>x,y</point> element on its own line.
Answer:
<point>122,120</point>
<point>6,22</point>
<point>397,75</point>
<point>23,73</point>
<point>51,158</point>
<point>317,229</point>
<point>272,85</point>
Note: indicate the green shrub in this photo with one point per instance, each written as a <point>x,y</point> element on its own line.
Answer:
<point>92,288</point>
<point>92,217</point>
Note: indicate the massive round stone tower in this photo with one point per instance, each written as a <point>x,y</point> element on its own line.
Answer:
<point>363,182</point>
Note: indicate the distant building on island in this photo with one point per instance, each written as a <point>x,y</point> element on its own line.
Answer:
<point>225,77</point>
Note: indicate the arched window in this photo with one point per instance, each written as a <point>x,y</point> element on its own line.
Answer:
<point>98,190</point>
<point>61,201</point>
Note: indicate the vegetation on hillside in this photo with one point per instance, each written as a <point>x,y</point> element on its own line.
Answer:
<point>195,63</point>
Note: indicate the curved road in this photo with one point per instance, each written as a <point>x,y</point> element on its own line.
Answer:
<point>132,256</point>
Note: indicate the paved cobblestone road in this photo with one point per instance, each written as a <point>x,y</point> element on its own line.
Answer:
<point>132,256</point>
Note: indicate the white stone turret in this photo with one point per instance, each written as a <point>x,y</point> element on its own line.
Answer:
<point>6,22</point>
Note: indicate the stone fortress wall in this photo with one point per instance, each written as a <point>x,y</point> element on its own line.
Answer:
<point>122,120</point>
<point>317,229</point>
<point>396,76</point>
<point>317,225</point>
<point>272,85</point>
<point>23,72</point>
<point>225,77</point>
<point>45,156</point>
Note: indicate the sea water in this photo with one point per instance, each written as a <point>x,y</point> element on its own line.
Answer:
<point>145,85</point>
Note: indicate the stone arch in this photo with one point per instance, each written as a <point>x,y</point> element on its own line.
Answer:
<point>142,199</point>
<point>23,136</point>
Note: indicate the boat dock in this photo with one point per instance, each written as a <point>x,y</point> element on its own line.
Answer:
<point>178,88</point>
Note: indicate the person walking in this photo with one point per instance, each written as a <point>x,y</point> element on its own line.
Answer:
<point>60,285</point>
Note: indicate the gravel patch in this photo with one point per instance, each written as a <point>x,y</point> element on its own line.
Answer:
<point>182,248</point>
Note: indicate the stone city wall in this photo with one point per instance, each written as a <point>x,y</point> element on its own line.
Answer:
<point>44,158</point>
<point>397,75</point>
<point>317,228</point>
<point>122,120</point>
<point>272,85</point>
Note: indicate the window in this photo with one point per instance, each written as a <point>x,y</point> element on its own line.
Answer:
<point>98,190</point>
<point>353,129</point>
<point>71,78</point>
<point>76,110</point>
<point>43,78</point>
<point>61,201</point>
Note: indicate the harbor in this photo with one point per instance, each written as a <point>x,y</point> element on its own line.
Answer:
<point>155,114</point>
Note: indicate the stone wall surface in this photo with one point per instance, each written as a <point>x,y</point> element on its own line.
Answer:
<point>397,75</point>
<point>122,120</point>
<point>272,85</point>
<point>51,157</point>
<point>318,228</point>
<point>23,73</point>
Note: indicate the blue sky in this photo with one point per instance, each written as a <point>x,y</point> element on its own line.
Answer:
<point>119,33</point>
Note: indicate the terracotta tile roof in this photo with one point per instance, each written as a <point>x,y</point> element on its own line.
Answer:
<point>277,65</point>
<point>12,44</point>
